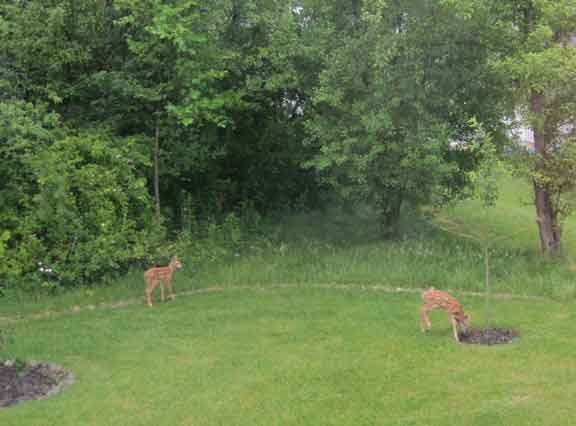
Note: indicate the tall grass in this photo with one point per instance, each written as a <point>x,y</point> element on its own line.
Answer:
<point>341,248</point>
<point>336,246</point>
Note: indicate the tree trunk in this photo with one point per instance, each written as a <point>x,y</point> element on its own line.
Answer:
<point>390,215</point>
<point>157,170</point>
<point>546,217</point>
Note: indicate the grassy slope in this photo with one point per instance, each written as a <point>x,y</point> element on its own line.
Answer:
<point>512,221</point>
<point>301,357</point>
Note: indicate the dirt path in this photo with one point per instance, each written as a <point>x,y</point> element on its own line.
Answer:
<point>213,289</point>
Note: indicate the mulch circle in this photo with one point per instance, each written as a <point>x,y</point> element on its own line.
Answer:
<point>489,336</point>
<point>21,382</point>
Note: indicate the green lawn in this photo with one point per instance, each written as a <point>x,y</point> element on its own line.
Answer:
<point>256,354</point>
<point>301,357</point>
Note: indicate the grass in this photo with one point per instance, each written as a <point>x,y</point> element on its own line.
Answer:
<point>257,354</point>
<point>300,357</point>
<point>338,247</point>
<point>511,222</point>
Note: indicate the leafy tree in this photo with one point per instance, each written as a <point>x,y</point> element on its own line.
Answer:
<point>49,48</point>
<point>543,68</point>
<point>392,98</point>
<point>536,62</point>
<point>203,88</point>
<point>24,130</point>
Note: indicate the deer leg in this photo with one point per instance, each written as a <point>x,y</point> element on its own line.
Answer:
<point>171,295</point>
<point>162,290</point>
<point>425,323</point>
<point>455,328</point>
<point>149,290</point>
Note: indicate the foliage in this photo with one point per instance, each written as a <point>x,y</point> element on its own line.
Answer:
<point>4,263</point>
<point>335,247</point>
<point>269,104</point>
<point>92,209</point>
<point>536,61</point>
<point>23,129</point>
<point>215,240</point>
<point>204,76</point>
<point>389,105</point>
<point>75,206</point>
<point>486,177</point>
<point>557,176</point>
<point>542,68</point>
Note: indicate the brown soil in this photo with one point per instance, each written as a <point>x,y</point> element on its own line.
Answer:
<point>23,382</point>
<point>489,336</point>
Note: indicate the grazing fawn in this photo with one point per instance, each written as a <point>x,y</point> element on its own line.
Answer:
<point>436,299</point>
<point>161,274</point>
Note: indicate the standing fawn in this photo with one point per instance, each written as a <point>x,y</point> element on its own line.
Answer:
<point>161,274</point>
<point>436,299</point>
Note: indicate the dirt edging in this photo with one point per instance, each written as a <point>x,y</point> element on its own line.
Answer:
<point>216,288</point>
<point>33,381</point>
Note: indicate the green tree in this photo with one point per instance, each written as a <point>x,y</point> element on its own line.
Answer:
<point>210,90</point>
<point>536,63</point>
<point>394,94</point>
<point>544,70</point>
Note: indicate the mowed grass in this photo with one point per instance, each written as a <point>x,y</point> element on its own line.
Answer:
<point>300,357</point>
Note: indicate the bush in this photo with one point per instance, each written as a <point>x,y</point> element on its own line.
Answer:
<point>82,211</point>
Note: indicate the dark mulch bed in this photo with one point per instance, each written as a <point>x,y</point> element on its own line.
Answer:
<point>489,336</point>
<point>27,381</point>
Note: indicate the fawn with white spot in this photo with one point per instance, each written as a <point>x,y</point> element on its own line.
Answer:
<point>162,274</point>
<point>436,299</point>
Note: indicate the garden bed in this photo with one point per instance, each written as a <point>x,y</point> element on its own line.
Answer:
<point>21,382</point>
<point>488,336</point>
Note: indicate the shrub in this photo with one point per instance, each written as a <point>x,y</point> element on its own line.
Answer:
<point>76,206</point>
